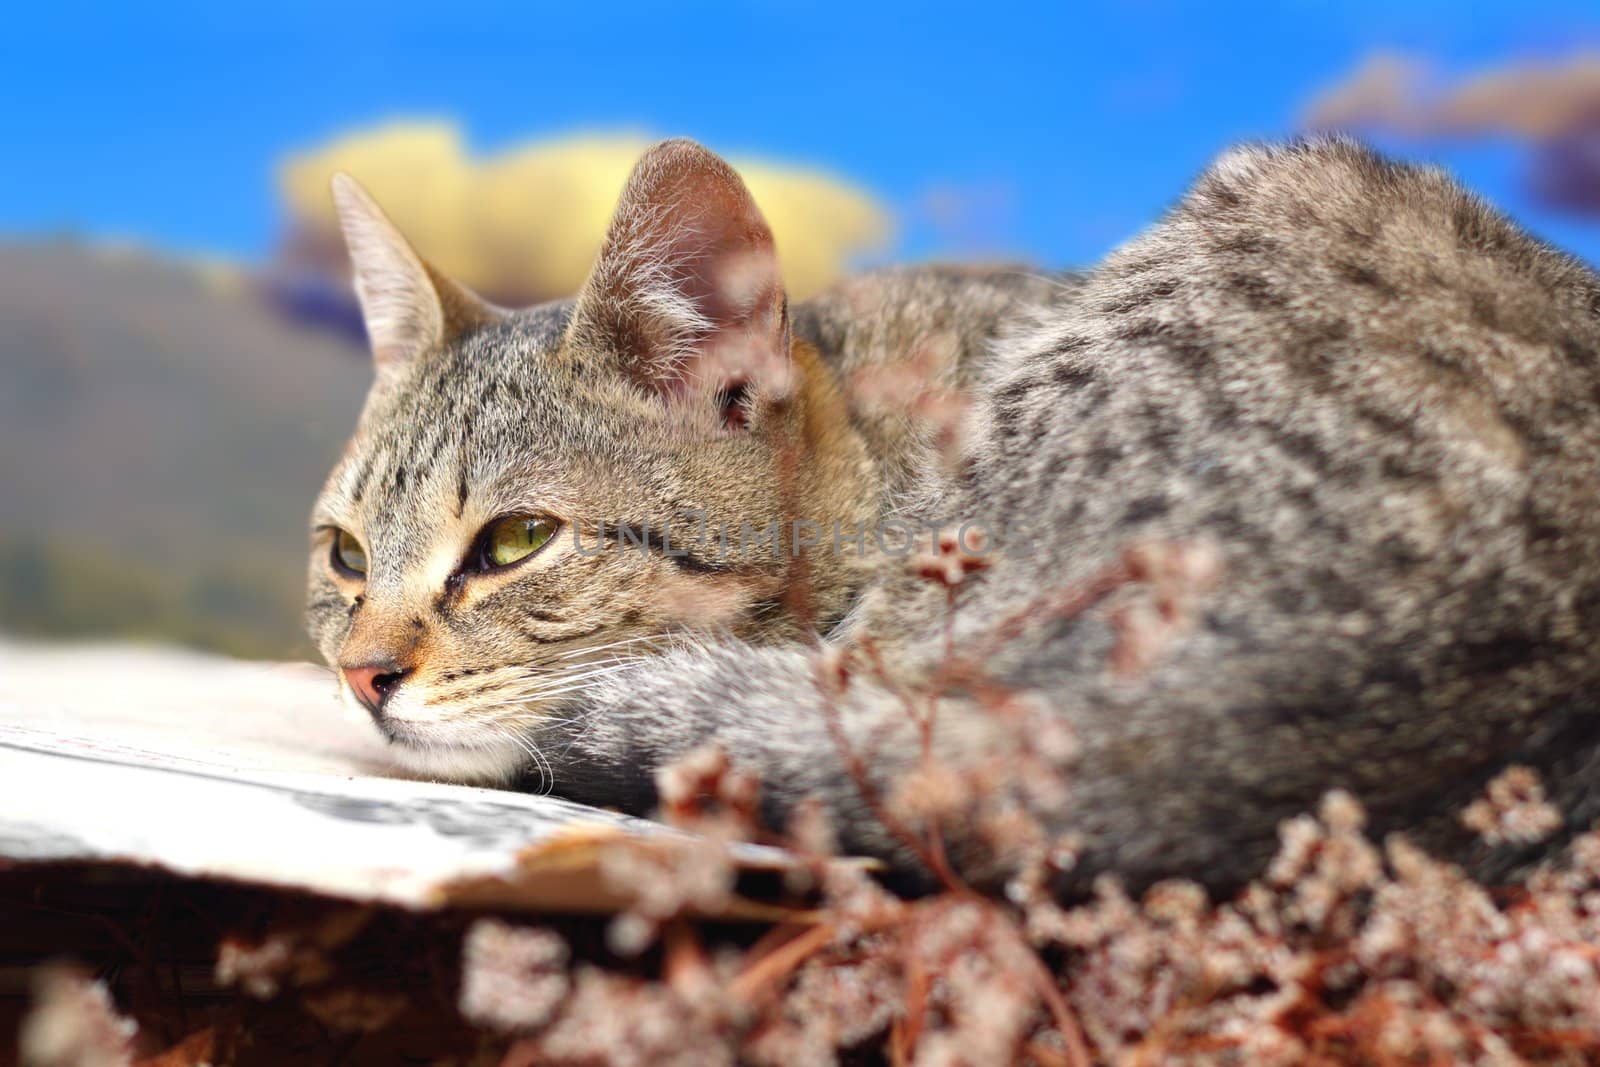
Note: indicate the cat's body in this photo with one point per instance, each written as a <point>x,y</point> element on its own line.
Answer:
<point>1375,400</point>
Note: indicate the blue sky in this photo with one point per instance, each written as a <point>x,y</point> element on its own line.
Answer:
<point>1066,129</point>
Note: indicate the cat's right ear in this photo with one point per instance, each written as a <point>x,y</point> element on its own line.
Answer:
<point>408,307</point>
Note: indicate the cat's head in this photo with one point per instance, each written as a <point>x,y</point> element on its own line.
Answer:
<point>530,496</point>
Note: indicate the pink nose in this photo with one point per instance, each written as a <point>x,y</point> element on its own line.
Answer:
<point>373,683</point>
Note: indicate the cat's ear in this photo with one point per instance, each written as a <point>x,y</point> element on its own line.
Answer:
<point>687,291</point>
<point>408,307</point>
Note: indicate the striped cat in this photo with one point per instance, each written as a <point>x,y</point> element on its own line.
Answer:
<point>569,544</point>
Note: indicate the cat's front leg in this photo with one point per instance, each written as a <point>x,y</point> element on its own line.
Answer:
<point>771,712</point>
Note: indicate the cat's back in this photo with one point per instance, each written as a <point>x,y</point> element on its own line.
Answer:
<point>1380,401</point>
<point>1317,320</point>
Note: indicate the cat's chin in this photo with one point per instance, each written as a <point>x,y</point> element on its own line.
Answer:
<point>494,762</point>
<point>460,753</point>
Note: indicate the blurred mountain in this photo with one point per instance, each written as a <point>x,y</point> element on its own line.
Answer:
<point>163,432</point>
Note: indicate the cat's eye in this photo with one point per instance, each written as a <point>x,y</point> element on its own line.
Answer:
<point>349,558</point>
<point>512,539</point>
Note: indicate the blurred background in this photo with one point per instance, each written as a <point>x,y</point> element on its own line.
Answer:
<point>180,357</point>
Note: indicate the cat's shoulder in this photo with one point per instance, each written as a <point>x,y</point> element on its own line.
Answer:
<point>1323,247</point>
<point>1331,211</point>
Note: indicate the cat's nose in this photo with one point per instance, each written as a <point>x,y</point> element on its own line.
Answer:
<point>374,683</point>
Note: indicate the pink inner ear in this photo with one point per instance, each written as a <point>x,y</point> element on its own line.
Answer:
<point>730,277</point>
<point>733,400</point>
<point>687,289</point>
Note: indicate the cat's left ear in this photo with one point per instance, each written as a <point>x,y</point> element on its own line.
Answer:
<point>408,307</point>
<point>687,291</point>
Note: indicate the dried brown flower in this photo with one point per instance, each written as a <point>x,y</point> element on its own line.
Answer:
<point>1513,810</point>
<point>512,978</point>
<point>74,1024</point>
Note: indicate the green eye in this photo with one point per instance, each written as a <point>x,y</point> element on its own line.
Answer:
<point>513,538</point>
<point>348,556</point>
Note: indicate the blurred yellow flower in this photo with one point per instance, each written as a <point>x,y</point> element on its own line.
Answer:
<point>525,225</point>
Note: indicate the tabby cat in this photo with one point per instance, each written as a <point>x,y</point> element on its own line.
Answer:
<point>569,544</point>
